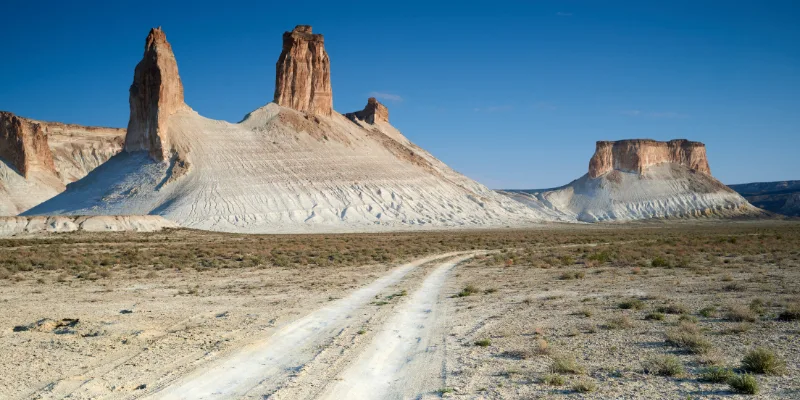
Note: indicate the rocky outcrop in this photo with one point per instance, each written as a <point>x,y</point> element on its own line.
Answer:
<point>156,94</point>
<point>78,149</point>
<point>372,113</point>
<point>636,155</point>
<point>303,73</point>
<point>23,145</point>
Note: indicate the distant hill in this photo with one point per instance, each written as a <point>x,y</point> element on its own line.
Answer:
<point>782,197</point>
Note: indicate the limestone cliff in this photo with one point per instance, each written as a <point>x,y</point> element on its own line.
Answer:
<point>23,145</point>
<point>303,73</point>
<point>372,113</point>
<point>39,158</point>
<point>636,155</point>
<point>156,94</point>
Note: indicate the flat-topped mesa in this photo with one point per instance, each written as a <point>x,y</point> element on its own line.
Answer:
<point>373,112</point>
<point>23,145</point>
<point>303,73</point>
<point>156,94</point>
<point>636,155</point>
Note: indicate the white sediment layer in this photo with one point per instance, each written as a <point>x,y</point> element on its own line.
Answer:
<point>281,171</point>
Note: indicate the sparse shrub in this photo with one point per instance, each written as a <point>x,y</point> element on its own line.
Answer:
<point>664,366</point>
<point>716,375</point>
<point>745,384</point>
<point>654,316</point>
<point>659,262</point>
<point>708,312</point>
<point>565,364</point>
<point>762,360</point>
<point>468,291</point>
<point>757,306</point>
<point>554,380</point>
<point>518,354</point>
<point>739,313</point>
<point>673,309</point>
<point>568,275</point>
<point>584,386</point>
<point>620,322</point>
<point>483,343</point>
<point>566,260</point>
<point>489,291</point>
<point>634,304</point>
<point>542,347</point>
<point>687,336</point>
<point>688,318</point>
<point>601,257</point>
<point>791,313</point>
<point>736,329</point>
<point>585,312</point>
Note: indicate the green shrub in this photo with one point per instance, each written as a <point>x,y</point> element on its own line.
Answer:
<point>708,312</point>
<point>762,360</point>
<point>601,257</point>
<point>620,322</point>
<point>468,291</point>
<point>565,364</point>
<point>584,386</point>
<point>483,343</point>
<point>664,366</point>
<point>745,384</point>
<point>739,313</point>
<point>687,336</point>
<point>654,316</point>
<point>554,380</point>
<point>659,262</point>
<point>673,309</point>
<point>716,375</point>
<point>631,304</point>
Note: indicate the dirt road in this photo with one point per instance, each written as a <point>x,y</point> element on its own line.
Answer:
<point>262,368</point>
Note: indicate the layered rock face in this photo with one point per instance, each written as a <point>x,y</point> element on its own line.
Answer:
<point>303,73</point>
<point>23,144</point>
<point>636,155</point>
<point>40,158</point>
<point>372,113</point>
<point>155,95</point>
<point>78,149</point>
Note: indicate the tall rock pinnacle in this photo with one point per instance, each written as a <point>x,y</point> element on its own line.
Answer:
<point>636,155</point>
<point>156,93</point>
<point>303,73</point>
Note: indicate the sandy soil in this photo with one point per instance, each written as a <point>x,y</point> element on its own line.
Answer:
<point>490,319</point>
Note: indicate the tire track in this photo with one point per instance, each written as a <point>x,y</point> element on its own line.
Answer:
<point>268,363</point>
<point>401,361</point>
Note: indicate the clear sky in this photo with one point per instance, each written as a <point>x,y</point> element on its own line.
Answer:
<point>513,94</point>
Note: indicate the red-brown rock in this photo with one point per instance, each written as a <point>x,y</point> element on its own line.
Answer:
<point>156,94</point>
<point>23,144</point>
<point>303,73</point>
<point>636,155</point>
<point>373,112</point>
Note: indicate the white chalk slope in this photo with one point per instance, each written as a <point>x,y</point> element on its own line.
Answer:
<point>663,191</point>
<point>280,171</point>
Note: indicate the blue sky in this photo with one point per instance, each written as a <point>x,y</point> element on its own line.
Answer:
<point>513,94</point>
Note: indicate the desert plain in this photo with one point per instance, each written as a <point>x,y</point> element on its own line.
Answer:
<point>646,310</point>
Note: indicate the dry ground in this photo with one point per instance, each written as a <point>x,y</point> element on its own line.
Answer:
<point>629,311</point>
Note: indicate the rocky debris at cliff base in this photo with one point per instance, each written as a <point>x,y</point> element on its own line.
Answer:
<point>13,226</point>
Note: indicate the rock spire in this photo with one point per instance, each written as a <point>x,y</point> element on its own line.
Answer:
<point>156,94</point>
<point>372,113</point>
<point>303,73</point>
<point>635,155</point>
